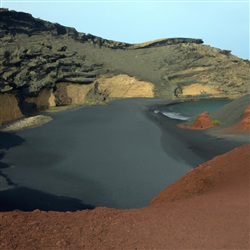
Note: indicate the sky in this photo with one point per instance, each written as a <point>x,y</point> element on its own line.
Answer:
<point>219,23</point>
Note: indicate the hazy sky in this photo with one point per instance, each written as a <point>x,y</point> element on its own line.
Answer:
<point>221,24</point>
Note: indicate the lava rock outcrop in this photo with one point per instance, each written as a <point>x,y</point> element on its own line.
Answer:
<point>37,55</point>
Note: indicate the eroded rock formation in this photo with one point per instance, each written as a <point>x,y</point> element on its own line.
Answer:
<point>68,93</point>
<point>43,100</point>
<point>9,109</point>
<point>37,55</point>
<point>124,86</point>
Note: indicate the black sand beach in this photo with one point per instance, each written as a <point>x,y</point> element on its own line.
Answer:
<point>119,156</point>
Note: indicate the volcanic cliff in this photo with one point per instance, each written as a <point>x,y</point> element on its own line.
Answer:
<point>46,64</point>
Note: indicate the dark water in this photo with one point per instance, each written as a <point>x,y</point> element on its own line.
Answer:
<point>118,156</point>
<point>187,110</point>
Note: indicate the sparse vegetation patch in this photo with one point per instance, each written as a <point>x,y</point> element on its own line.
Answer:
<point>215,123</point>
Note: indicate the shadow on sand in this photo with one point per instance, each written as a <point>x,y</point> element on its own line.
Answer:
<point>7,141</point>
<point>26,199</point>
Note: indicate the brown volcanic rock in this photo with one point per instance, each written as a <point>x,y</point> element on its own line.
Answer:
<point>210,211</point>
<point>203,121</point>
<point>9,109</point>
<point>36,54</point>
<point>124,86</point>
<point>68,93</point>
<point>44,99</point>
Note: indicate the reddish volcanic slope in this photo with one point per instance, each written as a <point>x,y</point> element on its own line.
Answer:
<point>245,122</point>
<point>225,172</point>
<point>208,208</point>
<point>203,121</point>
<point>243,127</point>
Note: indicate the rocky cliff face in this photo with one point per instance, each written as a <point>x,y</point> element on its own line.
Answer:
<point>37,55</point>
<point>9,109</point>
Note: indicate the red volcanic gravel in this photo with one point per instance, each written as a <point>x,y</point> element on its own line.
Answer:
<point>208,208</point>
<point>203,121</point>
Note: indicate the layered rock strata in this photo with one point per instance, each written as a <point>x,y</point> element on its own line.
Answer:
<point>37,55</point>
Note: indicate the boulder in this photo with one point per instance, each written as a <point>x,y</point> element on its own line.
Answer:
<point>68,94</point>
<point>44,100</point>
<point>9,108</point>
